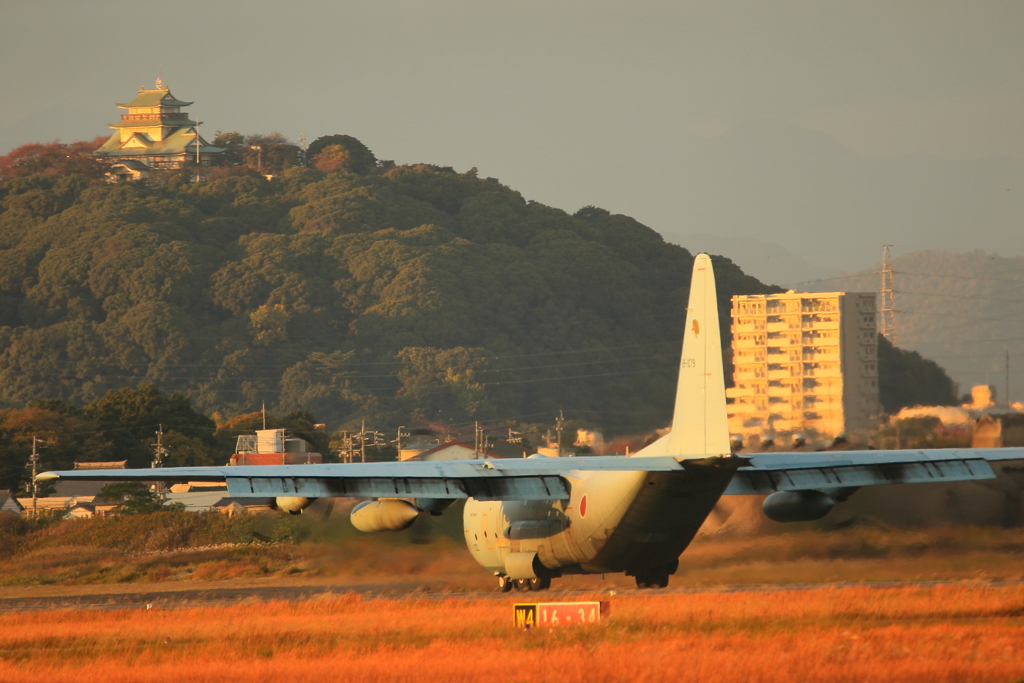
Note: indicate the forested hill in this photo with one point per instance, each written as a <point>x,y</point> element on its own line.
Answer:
<point>397,294</point>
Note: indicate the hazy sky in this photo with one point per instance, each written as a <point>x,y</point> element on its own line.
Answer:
<point>572,103</point>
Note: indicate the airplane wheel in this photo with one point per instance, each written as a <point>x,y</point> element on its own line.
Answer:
<point>522,585</point>
<point>653,578</point>
<point>540,584</point>
<point>504,584</point>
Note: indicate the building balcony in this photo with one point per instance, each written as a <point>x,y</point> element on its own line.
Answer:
<point>783,326</point>
<point>820,325</point>
<point>828,371</point>
<point>743,409</point>
<point>747,343</point>
<point>821,353</point>
<point>177,117</point>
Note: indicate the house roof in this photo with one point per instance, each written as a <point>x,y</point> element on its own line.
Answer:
<point>9,501</point>
<point>245,502</point>
<point>154,98</point>
<point>456,444</point>
<point>195,501</point>
<point>133,164</point>
<point>111,465</point>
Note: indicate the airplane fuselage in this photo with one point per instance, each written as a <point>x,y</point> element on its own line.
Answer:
<point>632,522</point>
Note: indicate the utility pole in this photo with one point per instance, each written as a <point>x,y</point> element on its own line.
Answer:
<point>1007,379</point>
<point>264,415</point>
<point>259,157</point>
<point>35,472</point>
<point>159,451</point>
<point>887,317</point>
<point>345,451</point>
<point>362,441</point>
<point>558,430</point>
<point>197,144</point>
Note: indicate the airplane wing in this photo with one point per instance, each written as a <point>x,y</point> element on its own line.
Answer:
<point>771,472</point>
<point>511,479</point>
<point>544,478</point>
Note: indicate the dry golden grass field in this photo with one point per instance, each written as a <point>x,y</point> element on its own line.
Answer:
<point>951,633</point>
<point>971,629</point>
<point>177,549</point>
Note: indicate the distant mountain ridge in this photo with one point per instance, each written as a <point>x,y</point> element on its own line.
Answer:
<point>776,183</point>
<point>963,310</point>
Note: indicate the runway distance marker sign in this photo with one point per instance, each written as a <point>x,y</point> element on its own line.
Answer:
<point>546,614</point>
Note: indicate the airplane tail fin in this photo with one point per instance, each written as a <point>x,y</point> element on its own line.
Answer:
<point>699,424</point>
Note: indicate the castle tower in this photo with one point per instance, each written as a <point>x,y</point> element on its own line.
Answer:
<point>155,134</point>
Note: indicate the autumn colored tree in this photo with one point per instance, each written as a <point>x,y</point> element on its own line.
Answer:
<point>341,153</point>
<point>53,159</point>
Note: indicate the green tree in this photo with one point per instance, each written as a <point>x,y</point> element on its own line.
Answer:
<point>271,153</point>
<point>375,293</point>
<point>132,498</point>
<point>233,143</point>
<point>129,419</point>
<point>906,379</point>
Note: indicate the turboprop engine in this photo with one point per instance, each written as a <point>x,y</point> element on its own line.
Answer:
<point>797,506</point>
<point>293,504</point>
<point>386,514</point>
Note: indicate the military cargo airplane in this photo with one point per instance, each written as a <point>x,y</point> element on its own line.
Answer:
<point>534,519</point>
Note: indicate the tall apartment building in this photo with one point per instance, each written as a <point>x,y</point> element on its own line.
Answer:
<point>804,366</point>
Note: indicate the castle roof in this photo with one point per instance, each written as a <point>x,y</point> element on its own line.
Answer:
<point>161,97</point>
<point>180,141</point>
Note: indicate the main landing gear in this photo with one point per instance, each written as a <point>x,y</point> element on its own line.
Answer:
<point>655,577</point>
<point>506,584</point>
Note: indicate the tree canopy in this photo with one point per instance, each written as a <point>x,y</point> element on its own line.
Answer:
<point>906,379</point>
<point>372,291</point>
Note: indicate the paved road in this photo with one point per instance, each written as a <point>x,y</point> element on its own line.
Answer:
<point>176,599</point>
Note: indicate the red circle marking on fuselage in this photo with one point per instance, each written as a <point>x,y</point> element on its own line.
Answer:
<point>583,506</point>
